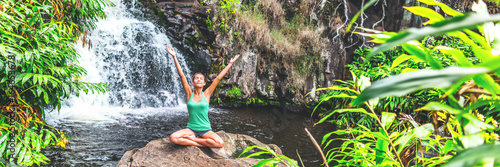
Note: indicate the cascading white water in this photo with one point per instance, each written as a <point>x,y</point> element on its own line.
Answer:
<point>145,101</point>
<point>130,56</point>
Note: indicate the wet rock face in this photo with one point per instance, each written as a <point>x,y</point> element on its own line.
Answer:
<point>243,74</point>
<point>162,152</point>
<point>185,23</point>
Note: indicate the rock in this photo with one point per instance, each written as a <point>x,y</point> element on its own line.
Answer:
<point>203,60</point>
<point>162,152</point>
<point>185,22</point>
<point>238,142</point>
<point>210,2</point>
<point>243,74</point>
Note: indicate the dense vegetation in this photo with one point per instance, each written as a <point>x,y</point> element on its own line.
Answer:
<point>289,43</point>
<point>39,67</point>
<point>458,97</point>
<point>434,101</point>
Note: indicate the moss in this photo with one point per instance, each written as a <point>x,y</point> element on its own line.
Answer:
<point>235,92</point>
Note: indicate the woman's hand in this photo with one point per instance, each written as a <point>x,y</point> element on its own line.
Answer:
<point>216,81</point>
<point>171,51</point>
<point>234,59</point>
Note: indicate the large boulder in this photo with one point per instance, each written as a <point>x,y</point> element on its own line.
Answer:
<point>162,152</point>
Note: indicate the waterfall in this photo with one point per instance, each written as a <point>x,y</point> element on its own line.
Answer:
<point>129,55</point>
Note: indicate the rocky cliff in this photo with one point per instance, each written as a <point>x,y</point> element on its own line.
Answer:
<point>288,48</point>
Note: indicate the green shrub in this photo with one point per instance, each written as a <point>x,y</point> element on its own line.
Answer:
<point>234,92</point>
<point>39,69</point>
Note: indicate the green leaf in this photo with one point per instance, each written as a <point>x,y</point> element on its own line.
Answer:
<point>26,77</point>
<point>473,140</point>
<point>343,95</point>
<point>2,49</point>
<point>432,15</point>
<point>380,135</point>
<point>387,119</point>
<point>488,29</point>
<point>32,20</point>
<point>481,103</point>
<point>435,106</point>
<point>337,88</point>
<point>401,58</point>
<point>381,150</point>
<point>456,54</point>
<point>417,49</point>
<point>360,110</point>
<point>256,154</point>
<point>363,82</point>
<point>21,156</point>
<point>266,162</point>
<point>292,162</point>
<point>3,141</point>
<point>479,52</point>
<point>45,96</point>
<point>247,150</point>
<point>407,139</point>
<point>487,82</point>
<point>2,66</point>
<point>408,70</point>
<point>67,90</point>
<point>403,84</point>
<point>325,137</point>
<point>443,6</point>
<point>18,147</point>
<point>492,64</point>
<point>448,25</point>
<point>476,122</point>
<point>470,156</point>
<point>448,146</point>
<point>478,38</point>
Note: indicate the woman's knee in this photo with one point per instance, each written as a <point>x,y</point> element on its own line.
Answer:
<point>219,144</point>
<point>174,138</point>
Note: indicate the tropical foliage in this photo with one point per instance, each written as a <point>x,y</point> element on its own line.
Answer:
<point>39,68</point>
<point>271,158</point>
<point>462,127</point>
<point>220,20</point>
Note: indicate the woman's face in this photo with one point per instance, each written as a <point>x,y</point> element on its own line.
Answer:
<point>198,80</point>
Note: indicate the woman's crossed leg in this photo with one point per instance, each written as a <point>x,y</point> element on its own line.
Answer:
<point>187,137</point>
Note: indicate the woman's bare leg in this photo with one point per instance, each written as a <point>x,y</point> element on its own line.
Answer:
<point>209,139</point>
<point>184,137</point>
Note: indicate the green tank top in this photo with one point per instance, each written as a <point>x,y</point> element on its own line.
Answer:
<point>198,114</point>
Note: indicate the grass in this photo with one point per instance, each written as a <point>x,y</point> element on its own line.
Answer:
<point>285,46</point>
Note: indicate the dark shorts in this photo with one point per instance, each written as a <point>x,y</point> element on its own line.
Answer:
<point>200,133</point>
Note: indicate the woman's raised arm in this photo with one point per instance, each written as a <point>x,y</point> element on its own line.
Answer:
<point>185,84</point>
<point>216,81</point>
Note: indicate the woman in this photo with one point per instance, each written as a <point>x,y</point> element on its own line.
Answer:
<point>198,132</point>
